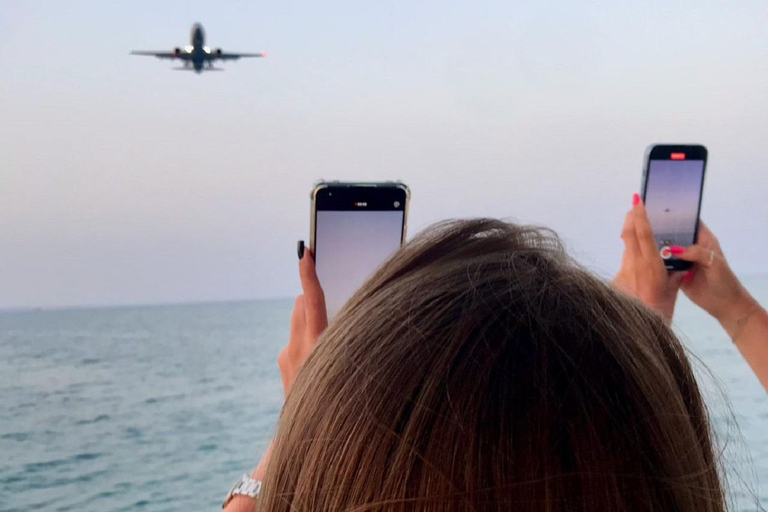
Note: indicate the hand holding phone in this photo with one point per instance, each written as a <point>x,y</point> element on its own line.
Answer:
<point>642,273</point>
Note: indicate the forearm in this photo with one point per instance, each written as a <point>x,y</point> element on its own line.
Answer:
<point>748,328</point>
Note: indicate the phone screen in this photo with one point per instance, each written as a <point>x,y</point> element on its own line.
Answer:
<point>355,232</point>
<point>672,199</point>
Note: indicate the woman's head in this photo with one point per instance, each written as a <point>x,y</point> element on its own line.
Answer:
<point>481,369</point>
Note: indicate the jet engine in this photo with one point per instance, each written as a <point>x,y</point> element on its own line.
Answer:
<point>218,52</point>
<point>177,51</point>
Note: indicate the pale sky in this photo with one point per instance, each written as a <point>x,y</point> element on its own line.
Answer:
<point>122,181</point>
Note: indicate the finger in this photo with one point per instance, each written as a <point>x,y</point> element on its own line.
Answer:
<point>298,316</point>
<point>707,238</point>
<point>309,281</point>
<point>314,298</point>
<point>644,232</point>
<point>629,236</point>
<point>694,254</point>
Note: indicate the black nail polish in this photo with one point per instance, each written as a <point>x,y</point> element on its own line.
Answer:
<point>300,248</point>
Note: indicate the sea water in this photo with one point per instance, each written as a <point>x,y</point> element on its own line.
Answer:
<point>163,408</point>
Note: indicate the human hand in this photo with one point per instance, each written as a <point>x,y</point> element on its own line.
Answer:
<point>711,284</point>
<point>308,320</point>
<point>642,273</point>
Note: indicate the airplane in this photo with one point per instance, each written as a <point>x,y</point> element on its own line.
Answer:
<point>196,56</point>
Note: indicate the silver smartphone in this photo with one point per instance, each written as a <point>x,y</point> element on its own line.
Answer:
<point>355,227</point>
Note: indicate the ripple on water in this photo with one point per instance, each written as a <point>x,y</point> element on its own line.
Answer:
<point>97,419</point>
<point>11,479</point>
<point>88,456</point>
<point>16,436</point>
<point>161,399</point>
<point>133,432</point>
<point>38,467</point>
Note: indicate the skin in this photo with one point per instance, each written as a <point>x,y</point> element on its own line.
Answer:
<point>710,284</point>
<point>642,273</point>
<point>713,286</point>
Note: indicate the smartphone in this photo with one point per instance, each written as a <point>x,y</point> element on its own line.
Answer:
<point>355,227</point>
<point>673,182</point>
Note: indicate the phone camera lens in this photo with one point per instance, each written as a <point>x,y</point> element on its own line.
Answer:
<point>397,204</point>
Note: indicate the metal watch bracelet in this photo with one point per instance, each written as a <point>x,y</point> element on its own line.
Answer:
<point>246,486</point>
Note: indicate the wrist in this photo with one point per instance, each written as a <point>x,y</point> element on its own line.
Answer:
<point>664,306</point>
<point>737,314</point>
<point>243,495</point>
<point>261,469</point>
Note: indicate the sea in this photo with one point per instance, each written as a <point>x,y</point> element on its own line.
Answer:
<point>162,408</point>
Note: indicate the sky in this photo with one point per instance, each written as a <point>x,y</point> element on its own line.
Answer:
<point>124,182</point>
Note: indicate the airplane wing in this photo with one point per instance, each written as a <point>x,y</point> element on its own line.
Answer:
<point>163,55</point>
<point>235,56</point>
<point>206,69</point>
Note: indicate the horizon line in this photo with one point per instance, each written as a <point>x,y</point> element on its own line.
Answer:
<point>195,302</point>
<point>131,305</point>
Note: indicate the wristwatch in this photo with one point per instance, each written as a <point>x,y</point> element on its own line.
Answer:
<point>246,486</point>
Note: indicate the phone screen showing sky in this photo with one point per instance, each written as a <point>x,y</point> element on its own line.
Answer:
<point>349,246</point>
<point>672,200</point>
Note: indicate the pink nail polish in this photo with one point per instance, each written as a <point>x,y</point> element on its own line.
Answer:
<point>676,249</point>
<point>688,276</point>
<point>635,198</point>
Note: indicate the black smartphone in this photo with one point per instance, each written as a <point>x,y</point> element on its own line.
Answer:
<point>673,182</point>
<point>355,227</point>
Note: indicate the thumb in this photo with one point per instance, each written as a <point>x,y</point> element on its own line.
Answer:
<point>314,298</point>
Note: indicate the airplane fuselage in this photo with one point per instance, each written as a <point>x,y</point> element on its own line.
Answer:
<point>198,51</point>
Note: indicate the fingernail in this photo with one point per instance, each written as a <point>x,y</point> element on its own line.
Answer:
<point>300,248</point>
<point>688,276</point>
<point>676,249</point>
<point>635,198</point>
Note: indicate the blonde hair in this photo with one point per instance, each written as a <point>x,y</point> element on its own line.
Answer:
<point>480,369</point>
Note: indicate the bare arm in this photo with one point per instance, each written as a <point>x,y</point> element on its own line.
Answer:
<point>747,325</point>
<point>712,285</point>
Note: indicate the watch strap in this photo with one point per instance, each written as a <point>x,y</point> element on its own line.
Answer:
<point>245,486</point>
